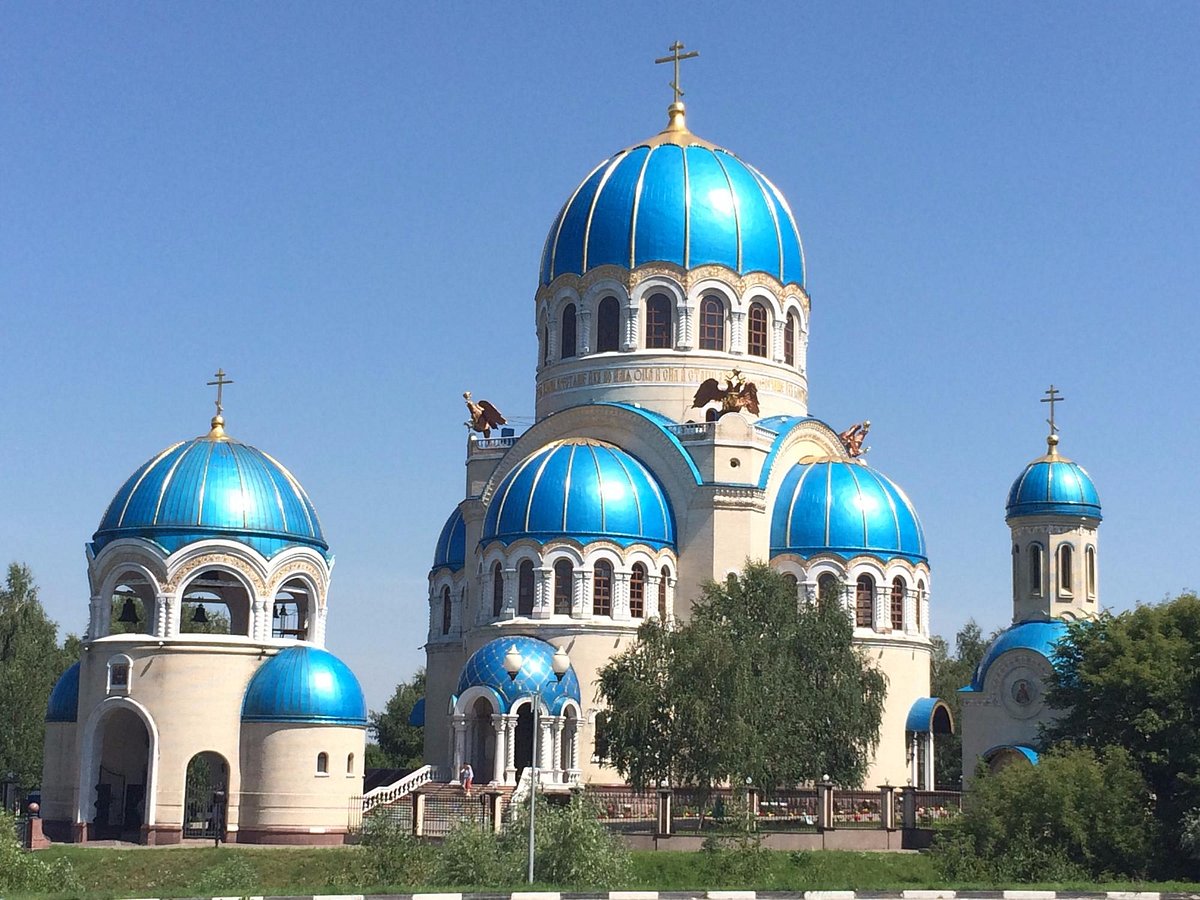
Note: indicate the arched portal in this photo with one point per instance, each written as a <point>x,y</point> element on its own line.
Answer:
<point>203,809</point>
<point>119,776</point>
<point>481,740</point>
<point>523,739</point>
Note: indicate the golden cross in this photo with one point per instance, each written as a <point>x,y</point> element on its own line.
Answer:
<point>1052,398</point>
<point>675,57</point>
<point>220,383</point>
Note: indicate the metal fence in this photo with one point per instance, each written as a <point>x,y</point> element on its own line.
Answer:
<point>624,809</point>
<point>22,828</point>
<point>935,808</point>
<point>857,809</point>
<point>445,810</point>
<point>788,811</point>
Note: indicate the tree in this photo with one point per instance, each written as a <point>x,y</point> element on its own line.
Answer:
<point>1077,815</point>
<point>1133,681</point>
<point>30,664</point>
<point>753,686</point>
<point>948,674</point>
<point>398,745</point>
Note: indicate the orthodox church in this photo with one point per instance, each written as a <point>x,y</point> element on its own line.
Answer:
<point>204,703</point>
<point>671,443</point>
<point>1053,511</point>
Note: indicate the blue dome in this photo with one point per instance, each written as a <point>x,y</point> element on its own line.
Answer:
<point>1039,636</point>
<point>64,699</point>
<point>212,487</point>
<point>1053,486</point>
<point>485,668</point>
<point>451,547</point>
<point>846,508</point>
<point>675,198</point>
<point>582,489</point>
<point>305,685</point>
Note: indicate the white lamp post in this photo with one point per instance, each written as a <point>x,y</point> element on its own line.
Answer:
<point>559,664</point>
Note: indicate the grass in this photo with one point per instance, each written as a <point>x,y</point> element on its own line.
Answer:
<point>208,871</point>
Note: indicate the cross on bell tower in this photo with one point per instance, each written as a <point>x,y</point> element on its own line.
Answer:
<point>1052,397</point>
<point>675,110</point>
<point>218,421</point>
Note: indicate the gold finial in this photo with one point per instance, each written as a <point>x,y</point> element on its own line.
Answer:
<point>218,421</point>
<point>1052,397</point>
<point>675,120</point>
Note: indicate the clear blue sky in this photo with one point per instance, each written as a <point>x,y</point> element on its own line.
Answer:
<point>344,204</point>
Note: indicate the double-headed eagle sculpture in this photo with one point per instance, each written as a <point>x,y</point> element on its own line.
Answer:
<point>852,438</point>
<point>733,392</point>
<point>484,416</point>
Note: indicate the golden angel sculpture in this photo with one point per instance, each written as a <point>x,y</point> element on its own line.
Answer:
<point>484,416</point>
<point>852,438</point>
<point>733,392</point>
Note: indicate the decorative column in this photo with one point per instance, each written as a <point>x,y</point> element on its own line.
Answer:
<point>652,582</point>
<point>881,609</point>
<point>552,340</point>
<point>671,599</point>
<point>510,747</point>
<point>810,589</point>
<point>620,600</point>
<point>260,620</point>
<point>585,330</point>
<point>777,340</point>
<point>543,592</point>
<point>737,332</point>
<point>318,625</point>
<point>556,729</point>
<point>500,756</point>
<point>573,752</point>
<point>459,724</point>
<point>162,616</point>
<point>510,594</point>
<point>543,746</point>
<point>581,607</point>
<point>631,329</point>
<point>98,620</point>
<point>683,340</point>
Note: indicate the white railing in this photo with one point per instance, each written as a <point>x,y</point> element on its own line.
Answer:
<point>402,787</point>
<point>691,429</point>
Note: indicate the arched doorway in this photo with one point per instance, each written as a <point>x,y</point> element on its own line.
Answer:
<point>481,740</point>
<point>120,777</point>
<point>203,809</point>
<point>523,739</point>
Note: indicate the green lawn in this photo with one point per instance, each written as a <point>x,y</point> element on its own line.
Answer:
<point>200,871</point>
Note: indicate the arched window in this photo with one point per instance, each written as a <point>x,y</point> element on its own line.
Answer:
<point>658,323</point>
<point>497,589</point>
<point>637,591</point>
<point>525,588</point>
<point>1089,557</point>
<point>662,593</point>
<point>567,335</point>
<point>322,763</point>
<point>793,582</point>
<point>920,599</point>
<point>897,604</point>
<point>756,341</point>
<point>1066,560</point>
<point>602,588</point>
<point>350,764</point>
<point>712,324</point>
<point>1035,569</point>
<point>864,601</point>
<point>564,574</point>
<point>446,612</point>
<point>789,340</point>
<point>827,586</point>
<point>608,325</point>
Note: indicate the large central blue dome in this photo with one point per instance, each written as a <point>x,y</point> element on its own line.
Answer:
<point>675,198</point>
<point>212,486</point>
<point>581,489</point>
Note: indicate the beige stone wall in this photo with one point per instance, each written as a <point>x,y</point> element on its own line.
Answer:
<point>59,764</point>
<point>906,665</point>
<point>282,789</point>
<point>442,666</point>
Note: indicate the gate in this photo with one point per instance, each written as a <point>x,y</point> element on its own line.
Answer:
<point>205,797</point>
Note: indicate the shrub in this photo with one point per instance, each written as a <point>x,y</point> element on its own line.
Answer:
<point>393,855</point>
<point>573,848</point>
<point>473,855</point>
<point>1076,815</point>
<point>24,871</point>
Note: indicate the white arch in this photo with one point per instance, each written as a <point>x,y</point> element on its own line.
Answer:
<point>90,750</point>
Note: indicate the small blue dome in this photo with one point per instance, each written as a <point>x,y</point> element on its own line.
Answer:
<point>485,668</point>
<point>582,489</point>
<point>1052,485</point>
<point>212,487</point>
<point>64,699</point>
<point>846,508</point>
<point>305,685</point>
<point>675,198</point>
<point>1039,636</point>
<point>451,547</point>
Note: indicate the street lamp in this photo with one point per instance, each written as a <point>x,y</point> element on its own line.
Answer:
<point>559,664</point>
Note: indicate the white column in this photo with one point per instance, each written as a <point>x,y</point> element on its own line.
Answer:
<point>777,340</point>
<point>737,332</point>
<point>98,621</point>
<point>585,330</point>
<point>683,336</point>
<point>556,730</point>
<point>573,737</point>
<point>260,620</point>
<point>543,592</point>
<point>810,591</point>
<point>510,594</point>
<point>552,339</point>
<point>652,581</point>
<point>631,329</point>
<point>671,599</point>
<point>500,754</point>
<point>459,724</point>
<point>620,600</point>
<point>581,594</point>
<point>543,745</point>
<point>510,749</point>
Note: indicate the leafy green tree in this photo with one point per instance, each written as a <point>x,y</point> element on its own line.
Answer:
<point>1133,681</point>
<point>753,686</point>
<point>30,663</point>
<point>947,675</point>
<point>1077,815</point>
<point>398,745</point>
